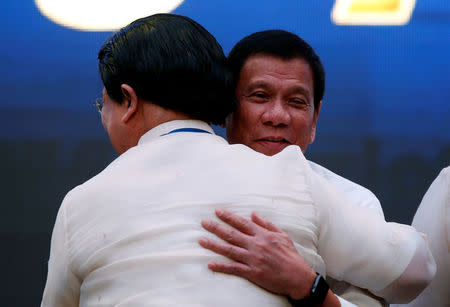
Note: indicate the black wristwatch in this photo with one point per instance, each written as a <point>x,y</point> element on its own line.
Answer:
<point>317,295</point>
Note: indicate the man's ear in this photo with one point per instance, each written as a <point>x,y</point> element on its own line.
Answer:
<point>316,116</point>
<point>130,100</point>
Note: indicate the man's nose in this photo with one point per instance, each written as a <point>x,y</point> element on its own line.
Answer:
<point>276,114</point>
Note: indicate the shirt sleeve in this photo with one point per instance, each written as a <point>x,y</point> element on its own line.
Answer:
<point>345,303</point>
<point>363,198</point>
<point>366,251</point>
<point>362,298</point>
<point>356,193</point>
<point>62,287</point>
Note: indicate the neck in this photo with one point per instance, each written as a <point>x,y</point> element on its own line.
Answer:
<point>155,115</point>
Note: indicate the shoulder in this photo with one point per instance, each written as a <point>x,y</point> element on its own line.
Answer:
<point>442,183</point>
<point>445,174</point>
<point>433,219</point>
<point>81,196</point>
<point>438,194</point>
<point>360,195</point>
<point>436,201</point>
<point>291,156</point>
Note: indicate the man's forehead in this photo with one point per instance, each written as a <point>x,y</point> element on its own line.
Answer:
<point>274,57</point>
<point>275,64</point>
<point>264,71</point>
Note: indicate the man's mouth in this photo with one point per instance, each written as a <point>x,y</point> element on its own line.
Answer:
<point>274,140</point>
<point>271,145</point>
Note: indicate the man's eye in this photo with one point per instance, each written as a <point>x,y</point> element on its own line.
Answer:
<point>259,95</point>
<point>299,101</point>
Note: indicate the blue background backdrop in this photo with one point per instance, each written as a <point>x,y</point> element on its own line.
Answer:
<point>384,122</point>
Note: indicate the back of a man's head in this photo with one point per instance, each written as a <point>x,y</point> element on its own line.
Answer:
<point>280,44</point>
<point>172,61</point>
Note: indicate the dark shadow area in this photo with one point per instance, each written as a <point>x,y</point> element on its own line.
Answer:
<point>35,178</point>
<point>399,182</point>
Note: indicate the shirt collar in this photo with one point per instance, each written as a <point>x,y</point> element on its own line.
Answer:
<point>166,127</point>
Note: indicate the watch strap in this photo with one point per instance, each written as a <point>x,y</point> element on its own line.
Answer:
<point>317,295</point>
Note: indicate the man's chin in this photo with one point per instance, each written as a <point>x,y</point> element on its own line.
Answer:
<point>269,148</point>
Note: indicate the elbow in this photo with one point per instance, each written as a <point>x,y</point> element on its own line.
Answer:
<point>416,277</point>
<point>409,287</point>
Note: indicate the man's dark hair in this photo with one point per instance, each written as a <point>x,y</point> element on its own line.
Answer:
<point>171,61</point>
<point>281,44</point>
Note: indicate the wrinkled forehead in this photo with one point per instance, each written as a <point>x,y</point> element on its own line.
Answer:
<point>262,71</point>
<point>272,56</point>
<point>277,64</point>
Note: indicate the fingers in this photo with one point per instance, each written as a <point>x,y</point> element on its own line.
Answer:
<point>264,223</point>
<point>233,268</point>
<point>225,232</point>
<point>236,221</point>
<point>230,251</point>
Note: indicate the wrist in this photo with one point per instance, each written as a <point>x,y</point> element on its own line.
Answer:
<point>302,287</point>
<point>331,300</point>
<point>316,296</point>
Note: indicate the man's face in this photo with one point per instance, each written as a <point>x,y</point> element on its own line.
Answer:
<point>276,105</point>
